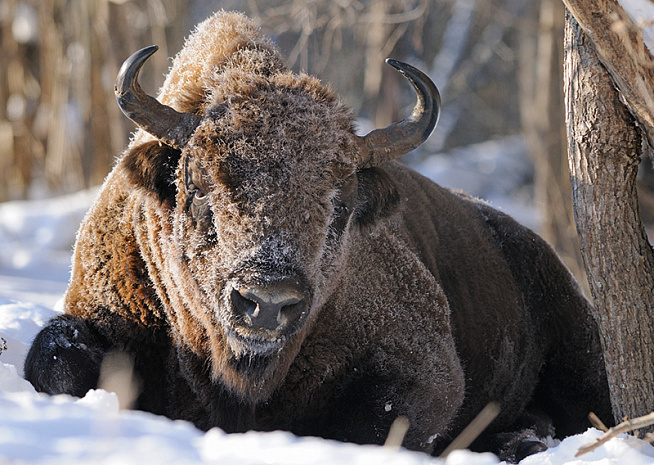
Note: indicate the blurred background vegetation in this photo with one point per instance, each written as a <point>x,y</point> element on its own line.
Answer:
<point>497,64</point>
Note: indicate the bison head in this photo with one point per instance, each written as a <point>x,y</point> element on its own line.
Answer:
<point>258,192</point>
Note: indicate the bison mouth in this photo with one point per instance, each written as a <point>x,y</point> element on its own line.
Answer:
<point>247,345</point>
<point>253,355</point>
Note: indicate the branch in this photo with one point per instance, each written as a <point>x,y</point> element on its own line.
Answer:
<point>624,427</point>
<point>597,423</point>
<point>474,429</point>
<point>622,51</point>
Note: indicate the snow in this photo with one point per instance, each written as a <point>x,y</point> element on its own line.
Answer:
<point>35,246</point>
<point>496,170</point>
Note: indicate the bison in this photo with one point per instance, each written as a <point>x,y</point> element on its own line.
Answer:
<point>266,268</point>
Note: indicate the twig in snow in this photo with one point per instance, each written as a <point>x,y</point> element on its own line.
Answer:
<point>597,423</point>
<point>117,375</point>
<point>624,427</point>
<point>474,429</point>
<point>397,432</point>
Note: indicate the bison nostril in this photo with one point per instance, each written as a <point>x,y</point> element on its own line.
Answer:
<point>243,306</point>
<point>291,312</point>
<point>268,308</point>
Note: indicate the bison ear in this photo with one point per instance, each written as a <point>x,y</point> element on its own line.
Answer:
<point>152,166</point>
<point>378,196</point>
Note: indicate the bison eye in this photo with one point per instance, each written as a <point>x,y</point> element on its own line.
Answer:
<point>194,180</point>
<point>198,197</point>
<point>197,193</point>
<point>341,215</point>
<point>197,204</point>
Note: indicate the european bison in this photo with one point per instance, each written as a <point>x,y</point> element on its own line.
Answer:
<point>266,268</point>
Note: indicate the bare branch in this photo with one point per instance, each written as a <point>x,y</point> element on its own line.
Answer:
<point>596,422</point>
<point>624,427</point>
<point>474,429</point>
<point>397,432</point>
<point>621,50</point>
<point>398,18</point>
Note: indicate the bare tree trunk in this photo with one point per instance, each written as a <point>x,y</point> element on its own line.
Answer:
<point>58,116</point>
<point>604,152</point>
<point>621,49</point>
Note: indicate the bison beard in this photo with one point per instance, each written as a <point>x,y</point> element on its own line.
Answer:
<point>266,268</point>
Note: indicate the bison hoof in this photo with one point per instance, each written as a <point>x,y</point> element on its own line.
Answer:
<point>65,358</point>
<point>527,447</point>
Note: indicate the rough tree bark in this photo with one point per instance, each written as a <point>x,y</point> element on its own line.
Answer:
<point>621,49</point>
<point>604,151</point>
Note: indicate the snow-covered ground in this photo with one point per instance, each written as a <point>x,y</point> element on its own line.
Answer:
<point>35,243</point>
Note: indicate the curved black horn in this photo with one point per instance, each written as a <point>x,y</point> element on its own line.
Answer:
<point>382,145</point>
<point>162,121</point>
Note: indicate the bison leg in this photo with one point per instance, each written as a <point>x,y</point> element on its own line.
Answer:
<point>573,384</point>
<point>65,357</point>
<point>573,380</point>
<point>514,447</point>
<point>522,439</point>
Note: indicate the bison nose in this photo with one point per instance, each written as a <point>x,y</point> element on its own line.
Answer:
<point>269,307</point>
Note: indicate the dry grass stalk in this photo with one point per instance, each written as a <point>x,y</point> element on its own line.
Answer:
<point>117,376</point>
<point>397,432</point>
<point>624,427</point>
<point>597,423</point>
<point>474,429</point>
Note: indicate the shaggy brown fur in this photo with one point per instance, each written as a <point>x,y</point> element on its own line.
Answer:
<point>419,302</point>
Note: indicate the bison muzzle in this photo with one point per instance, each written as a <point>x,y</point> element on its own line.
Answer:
<point>265,268</point>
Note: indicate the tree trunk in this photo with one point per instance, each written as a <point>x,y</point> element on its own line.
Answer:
<point>620,48</point>
<point>604,151</point>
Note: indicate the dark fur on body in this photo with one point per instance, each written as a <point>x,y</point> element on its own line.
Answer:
<point>420,302</point>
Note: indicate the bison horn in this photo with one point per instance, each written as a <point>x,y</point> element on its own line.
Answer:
<point>382,145</point>
<point>162,121</point>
